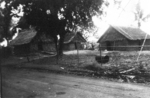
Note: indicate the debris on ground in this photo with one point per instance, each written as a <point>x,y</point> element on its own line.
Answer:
<point>122,66</point>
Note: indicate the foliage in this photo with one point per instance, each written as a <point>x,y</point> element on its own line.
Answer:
<point>138,10</point>
<point>140,16</point>
<point>5,19</point>
<point>54,17</point>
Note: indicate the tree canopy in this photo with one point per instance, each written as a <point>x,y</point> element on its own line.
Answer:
<point>51,17</point>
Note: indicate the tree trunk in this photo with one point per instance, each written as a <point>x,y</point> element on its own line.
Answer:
<point>56,47</point>
<point>56,43</point>
<point>61,44</point>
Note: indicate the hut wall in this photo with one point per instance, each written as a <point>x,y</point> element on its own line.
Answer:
<point>33,47</point>
<point>22,49</point>
<point>137,44</point>
<point>120,45</point>
<point>127,45</point>
<point>133,45</point>
<point>66,47</point>
<point>71,46</point>
<point>103,45</point>
<point>146,45</point>
<point>82,46</point>
<point>49,47</point>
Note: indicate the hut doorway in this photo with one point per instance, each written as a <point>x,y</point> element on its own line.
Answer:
<point>108,46</point>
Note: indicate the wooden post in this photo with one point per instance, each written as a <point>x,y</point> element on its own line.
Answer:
<point>57,55</point>
<point>142,46</point>
<point>114,46</point>
<point>76,46</point>
<point>100,52</point>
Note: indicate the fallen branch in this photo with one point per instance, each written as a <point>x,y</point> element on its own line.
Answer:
<point>125,71</point>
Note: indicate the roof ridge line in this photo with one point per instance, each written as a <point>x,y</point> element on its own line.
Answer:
<point>70,39</point>
<point>124,32</point>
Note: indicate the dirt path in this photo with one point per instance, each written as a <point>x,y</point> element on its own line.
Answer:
<point>33,84</point>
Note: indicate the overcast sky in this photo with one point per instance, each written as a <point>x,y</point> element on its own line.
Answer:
<point>123,16</point>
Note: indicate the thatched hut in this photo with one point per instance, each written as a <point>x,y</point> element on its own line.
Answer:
<point>47,43</point>
<point>73,41</point>
<point>26,42</point>
<point>124,39</point>
<point>23,42</point>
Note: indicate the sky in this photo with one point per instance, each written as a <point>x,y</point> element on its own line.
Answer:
<point>123,16</point>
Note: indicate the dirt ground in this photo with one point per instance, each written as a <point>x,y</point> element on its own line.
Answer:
<point>36,84</point>
<point>22,79</point>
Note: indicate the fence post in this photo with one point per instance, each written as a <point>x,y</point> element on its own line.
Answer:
<point>76,46</point>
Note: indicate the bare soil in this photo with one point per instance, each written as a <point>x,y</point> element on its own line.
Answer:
<point>17,70</point>
<point>85,64</point>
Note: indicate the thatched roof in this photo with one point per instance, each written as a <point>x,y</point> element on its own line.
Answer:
<point>23,37</point>
<point>26,36</point>
<point>73,37</point>
<point>120,33</point>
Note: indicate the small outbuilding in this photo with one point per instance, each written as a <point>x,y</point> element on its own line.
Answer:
<point>22,43</point>
<point>27,42</point>
<point>124,39</point>
<point>73,41</point>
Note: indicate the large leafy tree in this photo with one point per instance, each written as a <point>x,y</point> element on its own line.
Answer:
<point>54,17</point>
<point>5,21</point>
